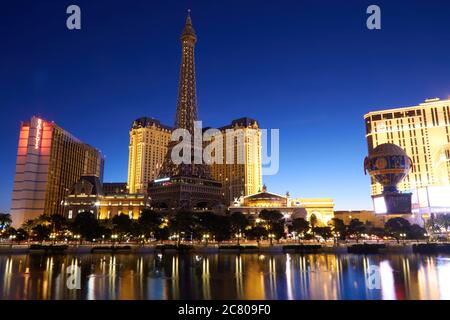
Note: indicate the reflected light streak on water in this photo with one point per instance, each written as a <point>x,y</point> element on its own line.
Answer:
<point>224,276</point>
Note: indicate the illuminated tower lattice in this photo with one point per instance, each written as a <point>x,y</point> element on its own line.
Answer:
<point>186,110</point>
<point>186,185</point>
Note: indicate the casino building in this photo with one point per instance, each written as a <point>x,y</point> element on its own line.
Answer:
<point>49,161</point>
<point>104,200</point>
<point>252,205</point>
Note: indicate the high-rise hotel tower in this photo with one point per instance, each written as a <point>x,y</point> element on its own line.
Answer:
<point>423,131</point>
<point>240,170</point>
<point>148,147</point>
<point>49,161</point>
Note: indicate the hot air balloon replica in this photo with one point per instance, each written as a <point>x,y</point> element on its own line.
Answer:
<point>389,164</point>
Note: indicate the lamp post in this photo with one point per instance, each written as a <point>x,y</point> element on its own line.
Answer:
<point>238,237</point>
<point>114,237</point>
<point>206,238</point>
<point>403,236</point>
<point>271,237</point>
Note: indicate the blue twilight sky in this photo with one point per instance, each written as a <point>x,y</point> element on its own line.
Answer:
<point>310,68</point>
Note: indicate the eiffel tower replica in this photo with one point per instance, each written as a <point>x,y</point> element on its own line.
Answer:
<point>186,186</point>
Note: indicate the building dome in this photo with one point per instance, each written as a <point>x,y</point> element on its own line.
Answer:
<point>388,164</point>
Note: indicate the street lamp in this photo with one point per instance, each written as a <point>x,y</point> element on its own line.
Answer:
<point>271,237</point>
<point>206,238</point>
<point>238,237</point>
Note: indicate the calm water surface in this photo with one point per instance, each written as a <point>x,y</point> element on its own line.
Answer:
<point>225,276</point>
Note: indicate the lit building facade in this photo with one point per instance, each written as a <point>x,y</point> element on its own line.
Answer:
<point>240,170</point>
<point>423,131</point>
<point>49,161</point>
<point>149,141</point>
<point>365,216</point>
<point>103,200</point>
<point>252,205</point>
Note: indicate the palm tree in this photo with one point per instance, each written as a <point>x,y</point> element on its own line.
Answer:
<point>5,221</point>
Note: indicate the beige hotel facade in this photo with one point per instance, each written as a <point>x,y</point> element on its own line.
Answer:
<point>148,146</point>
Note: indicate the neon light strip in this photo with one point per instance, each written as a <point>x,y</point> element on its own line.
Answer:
<point>38,134</point>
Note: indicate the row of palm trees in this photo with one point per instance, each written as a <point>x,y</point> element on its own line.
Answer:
<point>206,226</point>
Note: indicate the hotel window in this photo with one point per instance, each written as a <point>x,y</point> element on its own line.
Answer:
<point>70,214</point>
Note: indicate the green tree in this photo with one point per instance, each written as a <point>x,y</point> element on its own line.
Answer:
<point>122,226</point>
<point>356,228</point>
<point>86,225</point>
<point>183,222</point>
<point>256,233</point>
<point>339,228</point>
<point>222,228</point>
<point>41,232</point>
<point>238,223</point>
<point>58,224</point>
<point>416,232</point>
<point>324,232</point>
<point>395,227</point>
<point>272,219</point>
<point>313,222</point>
<point>440,223</point>
<point>149,222</point>
<point>271,216</point>
<point>21,235</point>
<point>300,226</point>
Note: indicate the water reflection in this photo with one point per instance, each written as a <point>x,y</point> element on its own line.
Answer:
<point>225,276</point>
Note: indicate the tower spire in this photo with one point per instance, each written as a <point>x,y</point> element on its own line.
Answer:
<point>186,114</point>
<point>187,93</point>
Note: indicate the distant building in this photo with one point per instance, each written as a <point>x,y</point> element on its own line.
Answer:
<point>49,161</point>
<point>364,216</point>
<point>252,205</point>
<point>423,131</point>
<point>149,141</point>
<point>105,201</point>
<point>240,173</point>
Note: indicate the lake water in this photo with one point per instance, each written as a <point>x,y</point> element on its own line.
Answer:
<point>225,276</point>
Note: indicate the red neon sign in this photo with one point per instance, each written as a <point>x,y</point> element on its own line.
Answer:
<point>38,134</point>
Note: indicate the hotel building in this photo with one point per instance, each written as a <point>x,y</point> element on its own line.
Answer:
<point>149,141</point>
<point>49,161</point>
<point>240,170</point>
<point>423,131</point>
<point>104,200</point>
<point>242,176</point>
